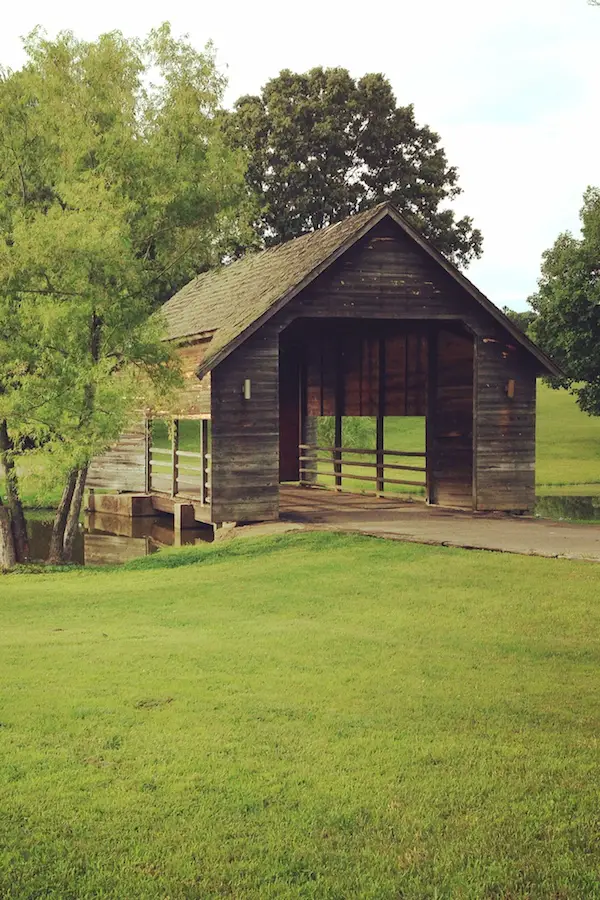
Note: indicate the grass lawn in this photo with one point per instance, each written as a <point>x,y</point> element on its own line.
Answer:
<point>568,445</point>
<point>311,716</point>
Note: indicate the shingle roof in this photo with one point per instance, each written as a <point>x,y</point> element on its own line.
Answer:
<point>229,301</point>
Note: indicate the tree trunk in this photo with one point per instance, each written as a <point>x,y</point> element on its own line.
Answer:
<point>7,543</point>
<point>74,513</point>
<point>57,540</point>
<point>18,523</point>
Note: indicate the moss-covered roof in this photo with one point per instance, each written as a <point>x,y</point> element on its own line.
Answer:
<point>228,302</point>
<point>229,299</point>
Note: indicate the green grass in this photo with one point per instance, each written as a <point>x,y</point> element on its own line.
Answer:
<point>314,716</point>
<point>568,445</point>
<point>405,433</point>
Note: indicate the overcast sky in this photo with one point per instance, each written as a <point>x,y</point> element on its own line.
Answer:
<point>512,88</point>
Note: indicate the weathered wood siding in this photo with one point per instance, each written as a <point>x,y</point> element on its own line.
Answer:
<point>450,419</point>
<point>504,427</point>
<point>385,276</point>
<point>122,468</point>
<point>195,397</point>
<point>245,433</point>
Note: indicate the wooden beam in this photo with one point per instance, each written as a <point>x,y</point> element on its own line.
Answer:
<point>174,461</point>
<point>430,419</point>
<point>379,437</point>
<point>204,449</point>
<point>147,448</point>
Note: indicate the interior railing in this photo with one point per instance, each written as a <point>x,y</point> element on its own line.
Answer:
<point>340,460</point>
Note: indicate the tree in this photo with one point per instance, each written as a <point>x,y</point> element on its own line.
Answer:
<point>323,145</point>
<point>523,319</point>
<point>117,188</point>
<point>568,306</point>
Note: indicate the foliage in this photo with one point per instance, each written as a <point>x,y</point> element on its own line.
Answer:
<point>523,319</point>
<point>357,431</point>
<point>323,145</point>
<point>116,188</point>
<point>309,716</point>
<point>568,306</point>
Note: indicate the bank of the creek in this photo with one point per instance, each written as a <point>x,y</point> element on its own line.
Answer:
<point>107,540</point>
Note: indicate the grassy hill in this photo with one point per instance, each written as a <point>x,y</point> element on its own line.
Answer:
<point>568,445</point>
<point>304,717</point>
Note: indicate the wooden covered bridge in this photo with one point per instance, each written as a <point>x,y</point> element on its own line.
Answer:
<point>361,319</point>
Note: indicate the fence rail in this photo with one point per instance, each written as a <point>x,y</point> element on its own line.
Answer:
<point>338,460</point>
<point>182,473</point>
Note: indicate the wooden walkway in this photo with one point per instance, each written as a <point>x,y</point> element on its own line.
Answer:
<point>414,521</point>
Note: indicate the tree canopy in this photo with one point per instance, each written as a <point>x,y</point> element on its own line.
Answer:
<point>323,145</point>
<point>523,319</point>
<point>116,187</point>
<point>568,306</point>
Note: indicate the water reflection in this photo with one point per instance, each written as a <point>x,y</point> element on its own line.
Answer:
<point>568,507</point>
<point>105,540</point>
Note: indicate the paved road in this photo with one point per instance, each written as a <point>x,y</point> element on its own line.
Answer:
<point>311,507</point>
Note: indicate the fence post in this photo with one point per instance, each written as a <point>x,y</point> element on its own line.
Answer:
<point>147,449</point>
<point>380,456</point>
<point>175,462</point>
<point>203,463</point>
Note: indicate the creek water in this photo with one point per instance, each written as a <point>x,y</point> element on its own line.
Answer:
<point>107,540</point>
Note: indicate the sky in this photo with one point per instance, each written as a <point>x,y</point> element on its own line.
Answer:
<point>511,87</point>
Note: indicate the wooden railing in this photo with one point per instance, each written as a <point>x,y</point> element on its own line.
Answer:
<point>310,459</point>
<point>183,473</point>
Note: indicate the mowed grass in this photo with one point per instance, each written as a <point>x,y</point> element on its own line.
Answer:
<point>313,716</point>
<point>568,445</point>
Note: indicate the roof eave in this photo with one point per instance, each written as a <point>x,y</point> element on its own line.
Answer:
<point>379,213</point>
<point>546,365</point>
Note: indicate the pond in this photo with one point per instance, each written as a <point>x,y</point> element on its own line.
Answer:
<point>105,540</point>
<point>559,507</point>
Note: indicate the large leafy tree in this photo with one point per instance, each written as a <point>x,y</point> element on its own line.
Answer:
<point>323,145</point>
<point>116,188</point>
<point>568,306</point>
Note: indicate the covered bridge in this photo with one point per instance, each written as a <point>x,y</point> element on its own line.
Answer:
<point>363,318</point>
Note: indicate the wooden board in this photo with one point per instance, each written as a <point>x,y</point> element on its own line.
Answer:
<point>122,468</point>
<point>505,427</point>
<point>450,419</point>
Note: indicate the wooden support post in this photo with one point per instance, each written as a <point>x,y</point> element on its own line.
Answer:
<point>175,465</point>
<point>204,465</point>
<point>147,450</point>
<point>379,438</point>
<point>183,517</point>
<point>379,455</point>
<point>337,453</point>
<point>339,409</point>
<point>430,420</point>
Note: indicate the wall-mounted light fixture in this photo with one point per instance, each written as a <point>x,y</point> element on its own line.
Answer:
<point>510,388</point>
<point>247,389</point>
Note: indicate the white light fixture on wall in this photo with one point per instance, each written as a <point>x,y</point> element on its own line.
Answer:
<point>247,389</point>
